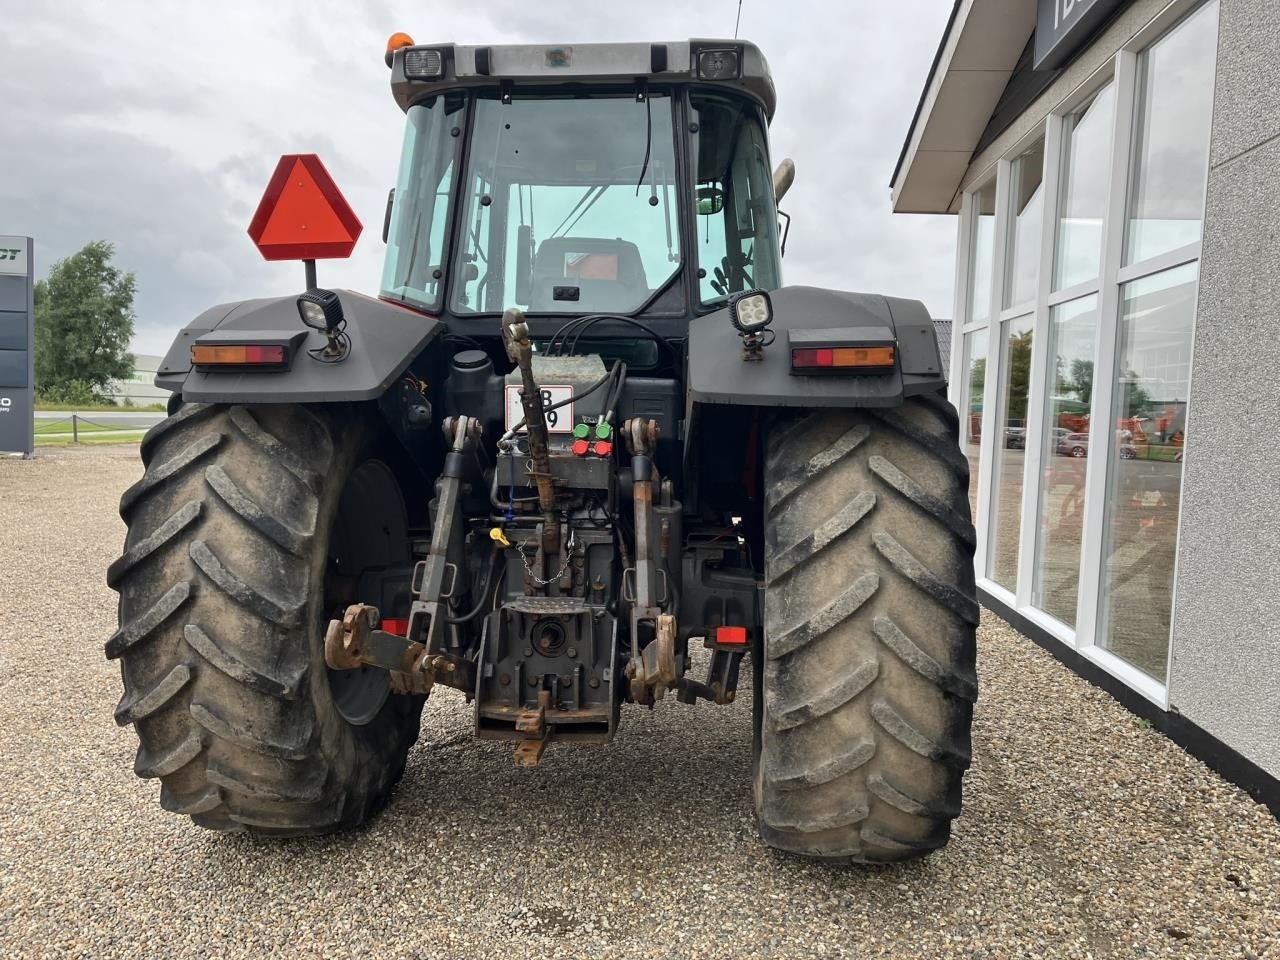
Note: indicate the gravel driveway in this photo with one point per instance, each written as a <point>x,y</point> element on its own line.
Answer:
<point>1085,834</point>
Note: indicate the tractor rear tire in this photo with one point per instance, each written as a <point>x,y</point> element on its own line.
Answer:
<point>868,670</point>
<point>235,543</point>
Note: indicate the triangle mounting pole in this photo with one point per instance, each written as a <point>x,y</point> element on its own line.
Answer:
<point>310,267</point>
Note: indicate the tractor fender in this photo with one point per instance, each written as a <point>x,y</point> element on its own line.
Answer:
<point>719,375</point>
<point>385,339</point>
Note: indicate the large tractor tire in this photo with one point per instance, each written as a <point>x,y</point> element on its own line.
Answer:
<point>868,684</point>
<point>249,529</point>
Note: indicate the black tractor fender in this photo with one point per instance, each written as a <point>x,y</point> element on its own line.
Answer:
<point>718,374</point>
<point>384,340</point>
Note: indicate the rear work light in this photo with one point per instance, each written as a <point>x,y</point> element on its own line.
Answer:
<point>238,355</point>
<point>849,350</point>
<point>422,64</point>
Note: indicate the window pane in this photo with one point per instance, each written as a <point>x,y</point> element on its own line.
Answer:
<point>984,241</point>
<point>416,246</point>
<point>1175,104</point>
<point>737,238</point>
<point>1027,193</point>
<point>1145,475</point>
<point>975,352</point>
<point>590,227</point>
<point>1086,150</point>
<point>1015,377</point>
<point>1073,334</point>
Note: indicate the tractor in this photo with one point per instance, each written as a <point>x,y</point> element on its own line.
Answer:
<point>582,453</point>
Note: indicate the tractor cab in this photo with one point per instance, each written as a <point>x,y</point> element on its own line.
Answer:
<point>623,179</point>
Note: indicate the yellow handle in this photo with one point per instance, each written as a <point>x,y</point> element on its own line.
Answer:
<point>495,533</point>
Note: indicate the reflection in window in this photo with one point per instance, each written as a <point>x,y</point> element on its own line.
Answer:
<point>1073,334</point>
<point>984,241</point>
<point>1026,190</point>
<point>1085,151</point>
<point>975,352</point>
<point>1149,433</point>
<point>1175,85</point>
<point>1015,379</point>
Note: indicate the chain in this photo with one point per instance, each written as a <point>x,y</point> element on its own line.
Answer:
<point>568,557</point>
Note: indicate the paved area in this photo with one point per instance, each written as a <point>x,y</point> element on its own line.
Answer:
<point>1085,834</point>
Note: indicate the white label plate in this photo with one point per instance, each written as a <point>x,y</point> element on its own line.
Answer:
<point>558,421</point>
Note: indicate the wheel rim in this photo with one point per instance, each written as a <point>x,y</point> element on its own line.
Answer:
<point>369,532</point>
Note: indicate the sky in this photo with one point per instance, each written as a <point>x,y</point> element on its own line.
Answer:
<point>157,126</point>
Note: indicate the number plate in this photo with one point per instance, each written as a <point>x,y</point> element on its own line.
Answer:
<point>558,421</point>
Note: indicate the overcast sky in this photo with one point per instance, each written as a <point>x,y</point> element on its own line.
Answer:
<point>158,130</point>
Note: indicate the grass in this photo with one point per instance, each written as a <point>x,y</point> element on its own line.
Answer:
<point>64,440</point>
<point>60,432</point>
<point>100,407</point>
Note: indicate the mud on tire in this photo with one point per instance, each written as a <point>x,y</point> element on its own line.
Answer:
<point>221,624</point>
<point>868,679</point>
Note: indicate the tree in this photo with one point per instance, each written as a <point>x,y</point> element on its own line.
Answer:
<point>1137,399</point>
<point>1082,380</point>
<point>84,321</point>
<point>1019,375</point>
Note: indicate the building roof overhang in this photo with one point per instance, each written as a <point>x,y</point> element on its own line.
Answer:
<point>979,50</point>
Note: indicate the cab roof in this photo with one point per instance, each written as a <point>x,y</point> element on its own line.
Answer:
<point>733,64</point>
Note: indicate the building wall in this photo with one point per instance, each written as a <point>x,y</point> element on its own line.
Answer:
<point>140,388</point>
<point>1226,626</point>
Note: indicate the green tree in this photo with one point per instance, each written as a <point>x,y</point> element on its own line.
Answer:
<point>84,321</point>
<point>1137,399</point>
<point>1019,375</point>
<point>1082,380</point>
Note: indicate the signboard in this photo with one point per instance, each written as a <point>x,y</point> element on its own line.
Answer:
<point>1063,25</point>
<point>17,347</point>
<point>303,215</point>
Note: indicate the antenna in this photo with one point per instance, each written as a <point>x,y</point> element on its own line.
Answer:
<point>737,21</point>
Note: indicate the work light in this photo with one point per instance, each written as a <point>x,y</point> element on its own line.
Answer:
<point>320,310</point>
<point>751,311</point>
<point>423,64</point>
<point>718,64</point>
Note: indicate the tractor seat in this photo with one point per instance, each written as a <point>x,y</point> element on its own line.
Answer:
<point>609,274</point>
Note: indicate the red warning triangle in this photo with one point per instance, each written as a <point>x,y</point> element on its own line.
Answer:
<point>303,215</point>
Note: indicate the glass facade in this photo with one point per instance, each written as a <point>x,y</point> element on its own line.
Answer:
<point>1024,235</point>
<point>1090,372</point>
<point>1015,381</point>
<point>1153,379</point>
<point>975,378</point>
<point>1175,91</point>
<point>984,248</point>
<point>1071,343</point>
<point>1086,141</point>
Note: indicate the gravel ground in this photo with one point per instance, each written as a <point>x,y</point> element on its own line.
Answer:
<point>1085,834</point>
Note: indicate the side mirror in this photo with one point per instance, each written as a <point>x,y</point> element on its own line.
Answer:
<point>710,201</point>
<point>782,179</point>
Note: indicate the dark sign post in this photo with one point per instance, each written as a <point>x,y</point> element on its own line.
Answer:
<point>1063,25</point>
<point>17,347</point>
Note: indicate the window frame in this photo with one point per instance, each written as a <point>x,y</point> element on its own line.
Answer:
<point>1121,70</point>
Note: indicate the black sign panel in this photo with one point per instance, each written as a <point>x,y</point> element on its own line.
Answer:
<point>1063,25</point>
<point>17,386</point>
